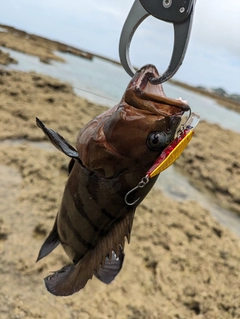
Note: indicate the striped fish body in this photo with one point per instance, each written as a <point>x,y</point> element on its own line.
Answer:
<point>90,207</point>
<point>113,153</point>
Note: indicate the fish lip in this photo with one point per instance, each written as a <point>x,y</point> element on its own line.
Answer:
<point>142,75</point>
<point>145,90</point>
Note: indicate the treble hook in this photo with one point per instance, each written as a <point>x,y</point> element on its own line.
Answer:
<point>141,184</point>
<point>184,125</point>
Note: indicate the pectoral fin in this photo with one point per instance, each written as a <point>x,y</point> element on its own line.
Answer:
<point>58,141</point>
<point>111,268</point>
<point>50,243</point>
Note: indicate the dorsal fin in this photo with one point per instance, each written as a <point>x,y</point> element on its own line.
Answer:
<point>58,141</point>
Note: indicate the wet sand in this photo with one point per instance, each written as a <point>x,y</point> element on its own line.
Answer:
<point>211,162</point>
<point>180,263</point>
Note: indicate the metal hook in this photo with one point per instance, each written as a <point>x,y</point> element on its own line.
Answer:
<point>141,184</point>
<point>183,126</point>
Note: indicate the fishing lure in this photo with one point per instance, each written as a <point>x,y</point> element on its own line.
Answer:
<point>169,155</point>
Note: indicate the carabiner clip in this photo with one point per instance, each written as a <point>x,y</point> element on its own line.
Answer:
<point>179,12</point>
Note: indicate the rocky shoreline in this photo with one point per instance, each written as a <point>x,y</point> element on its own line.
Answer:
<point>180,263</point>
<point>211,162</point>
<point>32,44</point>
<point>227,102</point>
<point>35,45</point>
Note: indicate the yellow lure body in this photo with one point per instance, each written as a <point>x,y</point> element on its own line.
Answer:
<point>173,155</point>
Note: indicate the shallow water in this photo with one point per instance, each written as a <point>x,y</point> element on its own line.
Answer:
<point>91,78</point>
<point>177,186</point>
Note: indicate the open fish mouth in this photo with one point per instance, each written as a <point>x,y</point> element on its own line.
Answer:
<point>144,95</point>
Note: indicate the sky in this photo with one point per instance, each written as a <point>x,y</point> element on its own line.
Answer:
<point>213,55</point>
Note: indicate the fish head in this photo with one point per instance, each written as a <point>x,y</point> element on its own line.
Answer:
<point>130,136</point>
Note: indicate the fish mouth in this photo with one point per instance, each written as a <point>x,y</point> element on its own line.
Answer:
<point>144,95</point>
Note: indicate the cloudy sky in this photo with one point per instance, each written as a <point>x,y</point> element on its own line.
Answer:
<point>212,59</point>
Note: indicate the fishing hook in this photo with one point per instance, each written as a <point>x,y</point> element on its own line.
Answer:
<point>184,125</point>
<point>141,184</point>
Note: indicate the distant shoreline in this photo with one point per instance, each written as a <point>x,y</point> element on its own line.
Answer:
<point>224,101</point>
<point>45,49</point>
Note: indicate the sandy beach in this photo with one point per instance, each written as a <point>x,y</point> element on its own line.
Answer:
<point>180,264</point>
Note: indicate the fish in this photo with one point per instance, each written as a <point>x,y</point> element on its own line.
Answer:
<point>113,152</point>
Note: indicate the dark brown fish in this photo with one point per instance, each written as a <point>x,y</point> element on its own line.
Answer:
<point>114,151</point>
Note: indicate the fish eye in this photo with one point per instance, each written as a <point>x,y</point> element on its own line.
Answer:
<point>156,141</point>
